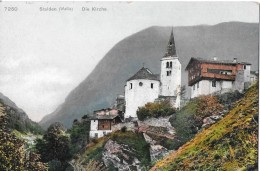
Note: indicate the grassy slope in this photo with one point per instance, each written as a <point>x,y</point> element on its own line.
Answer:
<point>230,144</point>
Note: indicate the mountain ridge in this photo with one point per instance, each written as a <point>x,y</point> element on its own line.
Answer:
<point>17,118</point>
<point>107,80</point>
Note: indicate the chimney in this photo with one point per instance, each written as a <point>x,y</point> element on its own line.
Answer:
<point>215,58</point>
<point>235,60</point>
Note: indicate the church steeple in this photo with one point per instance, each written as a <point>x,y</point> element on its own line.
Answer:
<point>171,49</point>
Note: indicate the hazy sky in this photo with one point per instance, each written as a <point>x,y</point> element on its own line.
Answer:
<point>44,55</point>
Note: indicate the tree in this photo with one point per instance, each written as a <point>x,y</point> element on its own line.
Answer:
<point>79,135</point>
<point>12,154</point>
<point>54,146</point>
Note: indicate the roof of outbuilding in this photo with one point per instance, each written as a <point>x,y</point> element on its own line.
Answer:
<point>144,73</point>
<point>224,62</point>
<point>100,117</point>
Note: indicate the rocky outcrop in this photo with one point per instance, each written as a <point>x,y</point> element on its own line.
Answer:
<point>120,156</point>
<point>156,151</point>
<point>155,130</point>
<point>128,125</point>
<point>211,120</point>
<point>158,126</point>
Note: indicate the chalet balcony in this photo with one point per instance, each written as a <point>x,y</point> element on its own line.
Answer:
<point>219,76</point>
<point>211,76</point>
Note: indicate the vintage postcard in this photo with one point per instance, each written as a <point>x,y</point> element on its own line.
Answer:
<point>129,86</point>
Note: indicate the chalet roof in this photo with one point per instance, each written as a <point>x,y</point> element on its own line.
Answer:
<point>223,62</point>
<point>144,73</point>
<point>103,117</point>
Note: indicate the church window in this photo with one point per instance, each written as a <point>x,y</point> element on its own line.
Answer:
<point>167,65</point>
<point>131,85</point>
<point>141,84</point>
<point>170,64</point>
<point>213,83</point>
<point>244,66</point>
<point>151,85</point>
<point>169,73</point>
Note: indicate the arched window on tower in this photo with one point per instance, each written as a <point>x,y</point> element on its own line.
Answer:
<point>167,65</point>
<point>170,64</point>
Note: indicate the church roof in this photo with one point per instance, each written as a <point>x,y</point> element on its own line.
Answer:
<point>171,49</point>
<point>144,73</point>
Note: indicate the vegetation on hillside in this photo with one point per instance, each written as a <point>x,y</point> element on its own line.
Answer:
<point>189,120</point>
<point>18,120</point>
<point>154,110</point>
<point>12,153</point>
<point>54,147</point>
<point>79,135</point>
<point>230,144</point>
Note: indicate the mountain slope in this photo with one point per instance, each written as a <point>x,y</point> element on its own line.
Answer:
<point>17,119</point>
<point>230,144</point>
<point>107,80</point>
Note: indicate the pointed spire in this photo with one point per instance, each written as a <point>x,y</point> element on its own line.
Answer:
<point>171,49</point>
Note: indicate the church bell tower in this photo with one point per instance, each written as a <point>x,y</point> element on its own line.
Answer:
<point>170,76</point>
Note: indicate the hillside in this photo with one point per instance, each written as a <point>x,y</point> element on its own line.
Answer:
<point>17,119</point>
<point>230,144</point>
<point>14,152</point>
<point>119,150</point>
<point>107,80</point>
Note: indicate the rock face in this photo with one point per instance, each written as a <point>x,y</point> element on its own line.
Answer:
<point>107,80</point>
<point>120,156</point>
<point>211,120</point>
<point>156,151</point>
<point>155,129</point>
<point>160,126</point>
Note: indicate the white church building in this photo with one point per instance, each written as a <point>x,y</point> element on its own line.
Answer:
<point>144,86</point>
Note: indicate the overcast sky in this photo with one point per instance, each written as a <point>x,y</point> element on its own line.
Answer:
<point>44,55</point>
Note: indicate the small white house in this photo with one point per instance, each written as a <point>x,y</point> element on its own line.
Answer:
<point>101,123</point>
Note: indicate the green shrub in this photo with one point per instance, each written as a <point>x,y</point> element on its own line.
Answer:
<point>155,110</point>
<point>123,129</point>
